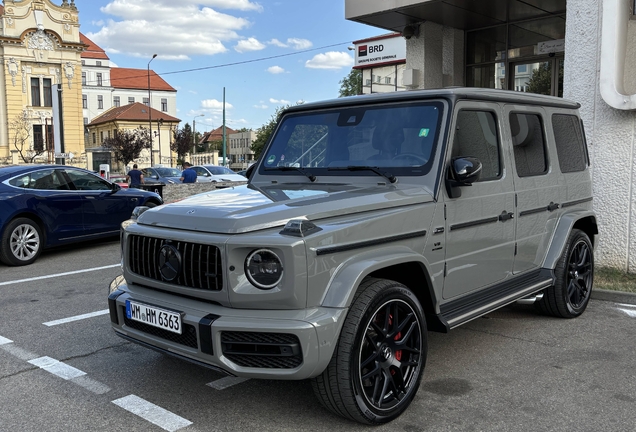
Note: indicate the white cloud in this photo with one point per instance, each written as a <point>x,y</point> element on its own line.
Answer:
<point>175,30</point>
<point>214,106</point>
<point>295,43</point>
<point>330,60</point>
<point>279,101</point>
<point>275,70</point>
<point>299,44</point>
<point>262,106</point>
<point>249,44</point>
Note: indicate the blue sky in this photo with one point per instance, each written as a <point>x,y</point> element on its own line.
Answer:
<point>190,34</point>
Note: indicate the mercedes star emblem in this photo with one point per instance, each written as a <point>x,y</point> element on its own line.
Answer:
<point>169,262</point>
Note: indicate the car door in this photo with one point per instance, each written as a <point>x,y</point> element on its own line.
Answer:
<point>479,226</point>
<point>537,185</point>
<point>53,200</point>
<point>203,175</point>
<point>104,209</point>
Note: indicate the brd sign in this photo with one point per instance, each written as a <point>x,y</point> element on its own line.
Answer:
<point>380,51</point>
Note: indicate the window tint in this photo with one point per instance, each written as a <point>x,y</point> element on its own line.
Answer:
<point>86,181</point>
<point>43,180</point>
<point>528,144</point>
<point>570,144</point>
<point>476,136</point>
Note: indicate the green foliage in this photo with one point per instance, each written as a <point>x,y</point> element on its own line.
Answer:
<point>351,85</point>
<point>127,145</point>
<point>541,80</point>
<point>182,142</point>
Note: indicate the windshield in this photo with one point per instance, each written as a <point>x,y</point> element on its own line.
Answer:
<point>168,172</point>
<point>400,137</point>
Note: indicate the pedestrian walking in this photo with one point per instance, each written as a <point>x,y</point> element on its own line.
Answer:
<point>188,175</point>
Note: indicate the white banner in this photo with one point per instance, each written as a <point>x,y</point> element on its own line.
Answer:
<point>380,51</point>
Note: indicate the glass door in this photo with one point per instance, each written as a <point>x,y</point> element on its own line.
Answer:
<point>540,76</point>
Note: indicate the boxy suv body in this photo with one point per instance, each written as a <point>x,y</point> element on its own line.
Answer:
<point>367,221</point>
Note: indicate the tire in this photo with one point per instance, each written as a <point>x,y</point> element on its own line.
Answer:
<point>22,242</point>
<point>151,204</point>
<point>377,365</point>
<point>574,272</point>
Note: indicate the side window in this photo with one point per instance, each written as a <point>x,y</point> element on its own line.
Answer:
<point>41,180</point>
<point>476,136</point>
<point>570,144</point>
<point>528,144</point>
<point>201,171</point>
<point>87,181</point>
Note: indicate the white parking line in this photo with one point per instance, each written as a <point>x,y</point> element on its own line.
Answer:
<point>91,385</point>
<point>56,367</point>
<point>223,383</point>
<point>152,413</point>
<point>4,340</point>
<point>630,312</point>
<point>18,352</point>
<point>58,275</point>
<point>76,318</point>
<point>627,305</point>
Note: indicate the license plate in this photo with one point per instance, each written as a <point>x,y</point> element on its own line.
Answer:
<point>154,316</point>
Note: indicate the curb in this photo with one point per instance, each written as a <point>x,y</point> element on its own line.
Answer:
<point>614,296</point>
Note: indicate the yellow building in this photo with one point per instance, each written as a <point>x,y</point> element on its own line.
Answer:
<point>40,49</point>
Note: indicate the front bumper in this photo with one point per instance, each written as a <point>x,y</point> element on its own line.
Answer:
<point>270,344</point>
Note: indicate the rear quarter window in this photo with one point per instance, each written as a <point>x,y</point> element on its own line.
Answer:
<point>570,144</point>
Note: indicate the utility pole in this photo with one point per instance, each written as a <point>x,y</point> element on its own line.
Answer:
<point>224,161</point>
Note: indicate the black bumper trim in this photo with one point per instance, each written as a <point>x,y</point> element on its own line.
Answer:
<point>205,333</point>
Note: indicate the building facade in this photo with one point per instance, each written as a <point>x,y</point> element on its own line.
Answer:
<point>239,150</point>
<point>584,50</point>
<point>40,50</point>
<point>382,60</point>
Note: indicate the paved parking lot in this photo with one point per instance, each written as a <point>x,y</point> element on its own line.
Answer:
<point>63,369</point>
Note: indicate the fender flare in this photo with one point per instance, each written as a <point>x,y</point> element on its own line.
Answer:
<point>349,274</point>
<point>561,233</point>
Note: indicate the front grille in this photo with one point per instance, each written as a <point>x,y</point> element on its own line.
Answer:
<point>188,337</point>
<point>200,264</point>
<point>262,350</point>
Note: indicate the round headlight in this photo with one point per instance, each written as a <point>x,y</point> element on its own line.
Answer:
<point>263,268</point>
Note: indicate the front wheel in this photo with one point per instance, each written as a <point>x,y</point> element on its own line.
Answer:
<point>378,362</point>
<point>570,294</point>
<point>22,242</point>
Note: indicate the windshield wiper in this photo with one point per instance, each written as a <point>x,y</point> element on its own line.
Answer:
<point>387,175</point>
<point>310,176</point>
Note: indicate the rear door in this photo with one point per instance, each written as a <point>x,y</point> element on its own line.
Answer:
<point>537,183</point>
<point>479,239</point>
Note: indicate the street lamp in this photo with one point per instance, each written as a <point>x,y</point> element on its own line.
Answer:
<point>194,132</point>
<point>149,110</point>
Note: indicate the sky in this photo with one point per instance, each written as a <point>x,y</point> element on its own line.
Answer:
<point>266,53</point>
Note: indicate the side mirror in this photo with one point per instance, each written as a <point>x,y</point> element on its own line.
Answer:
<point>115,187</point>
<point>250,171</point>
<point>463,171</point>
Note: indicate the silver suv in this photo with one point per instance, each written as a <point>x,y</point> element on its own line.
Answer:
<point>366,222</point>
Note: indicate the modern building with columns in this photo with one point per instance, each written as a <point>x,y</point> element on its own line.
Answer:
<point>583,50</point>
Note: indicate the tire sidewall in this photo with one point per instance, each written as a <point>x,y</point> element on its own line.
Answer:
<point>394,292</point>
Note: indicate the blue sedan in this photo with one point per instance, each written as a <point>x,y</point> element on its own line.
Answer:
<point>50,205</point>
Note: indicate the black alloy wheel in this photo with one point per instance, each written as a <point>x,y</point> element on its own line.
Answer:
<point>377,364</point>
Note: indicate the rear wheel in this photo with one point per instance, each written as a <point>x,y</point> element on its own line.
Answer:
<point>22,242</point>
<point>378,362</point>
<point>570,294</point>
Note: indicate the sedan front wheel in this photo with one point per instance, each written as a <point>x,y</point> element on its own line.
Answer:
<point>21,242</point>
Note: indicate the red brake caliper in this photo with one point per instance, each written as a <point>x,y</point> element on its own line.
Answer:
<point>398,353</point>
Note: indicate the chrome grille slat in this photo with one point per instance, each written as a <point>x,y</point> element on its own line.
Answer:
<point>143,260</point>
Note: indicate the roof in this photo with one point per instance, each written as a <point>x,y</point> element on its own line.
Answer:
<point>126,78</point>
<point>216,134</point>
<point>132,112</point>
<point>93,51</point>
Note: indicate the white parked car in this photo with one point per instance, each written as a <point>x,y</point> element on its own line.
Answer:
<point>215,173</point>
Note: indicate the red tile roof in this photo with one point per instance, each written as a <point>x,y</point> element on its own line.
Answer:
<point>126,78</point>
<point>216,134</point>
<point>93,51</point>
<point>132,112</point>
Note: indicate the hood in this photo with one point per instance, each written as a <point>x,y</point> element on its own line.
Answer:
<point>246,208</point>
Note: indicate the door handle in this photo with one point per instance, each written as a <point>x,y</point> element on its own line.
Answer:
<point>504,216</point>
<point>553,206</point>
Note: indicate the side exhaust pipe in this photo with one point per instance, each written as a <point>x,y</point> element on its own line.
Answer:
<point>530,299</point>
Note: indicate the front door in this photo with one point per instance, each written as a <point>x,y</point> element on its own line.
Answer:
<point>479,238</point>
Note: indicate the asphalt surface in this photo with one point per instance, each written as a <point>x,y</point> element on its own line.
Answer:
<point>512,370</point>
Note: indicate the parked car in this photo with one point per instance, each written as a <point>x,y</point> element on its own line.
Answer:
<point>242,173</point>
<point>366,223</point>
<point>215,173</point>
<point>50,205</point>
<point>119,179</point>
<point>163,175</point>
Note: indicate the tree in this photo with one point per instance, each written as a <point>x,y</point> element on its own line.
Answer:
<point>264,132</point>
<point>541,80</point>
<point>182,142</point>
<point>21,128</point>
<point>128,145</point>
<point>351,85</point>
